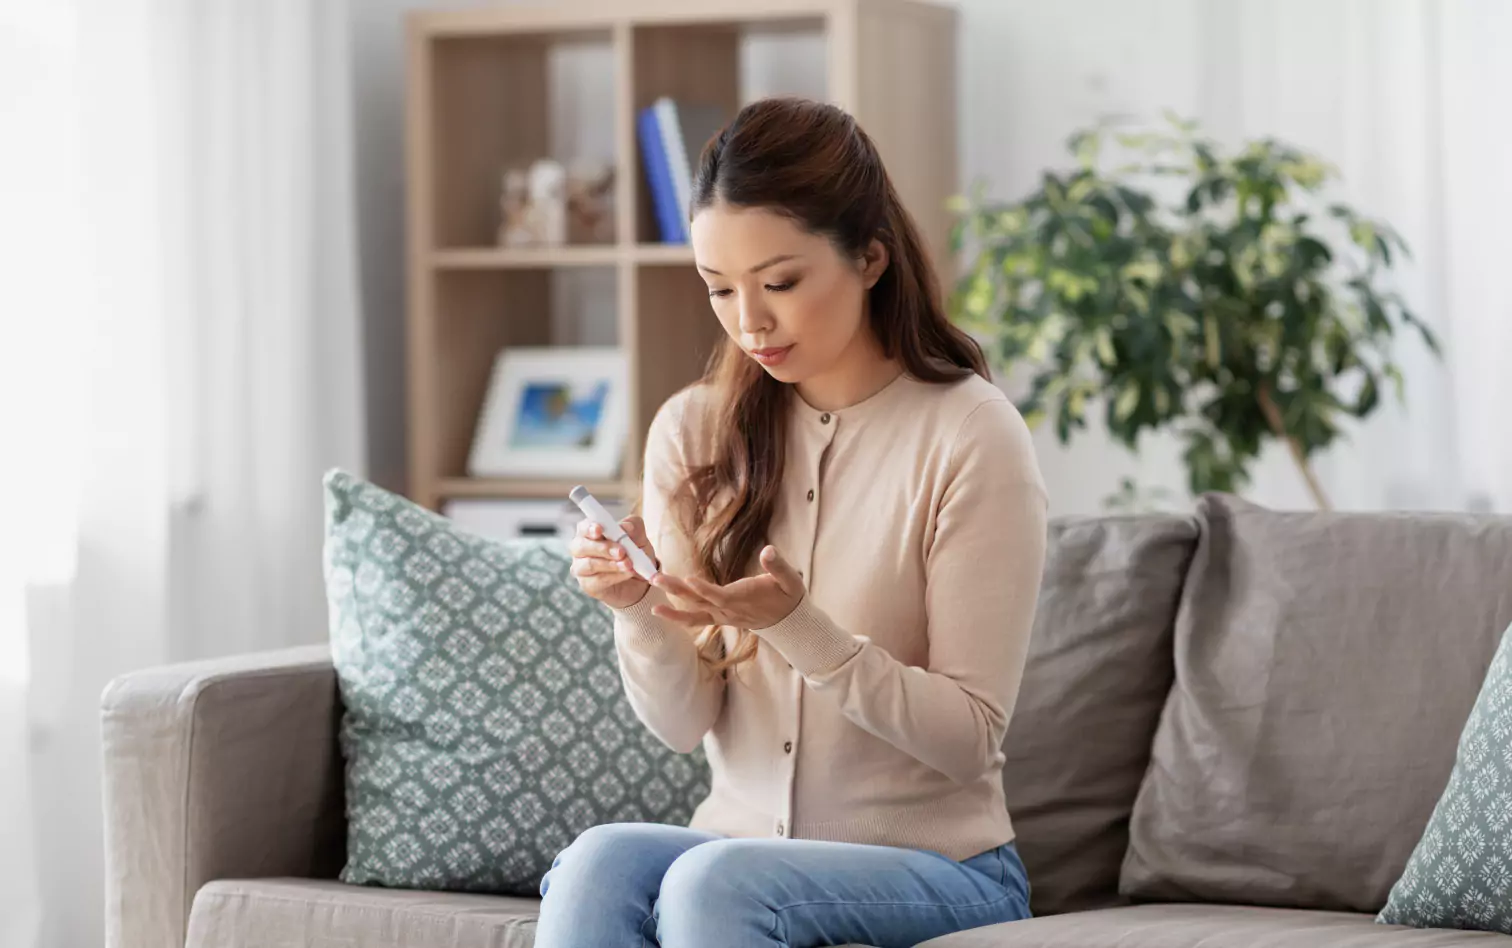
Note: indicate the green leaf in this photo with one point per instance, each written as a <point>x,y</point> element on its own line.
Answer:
<point>1369,396</point>
<point>1104,342</point>
<point>1127,401</point>
<point>1391,371</point>
<point>1086,145</point>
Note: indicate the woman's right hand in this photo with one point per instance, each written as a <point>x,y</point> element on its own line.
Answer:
<point>603,568</point>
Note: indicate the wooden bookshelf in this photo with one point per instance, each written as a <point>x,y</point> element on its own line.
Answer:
<point>479,87</point>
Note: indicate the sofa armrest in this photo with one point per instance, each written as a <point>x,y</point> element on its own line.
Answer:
<point>217,769</point>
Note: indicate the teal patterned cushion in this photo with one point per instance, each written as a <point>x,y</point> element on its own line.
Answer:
<point>485,725</point>
<point>1460,875</point>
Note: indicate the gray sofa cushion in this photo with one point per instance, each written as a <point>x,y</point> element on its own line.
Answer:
<point>1209,926</point>
<point>1098,673</point>
<point>235,913</point>
<point>1325,664</point>
<point>256,913</point>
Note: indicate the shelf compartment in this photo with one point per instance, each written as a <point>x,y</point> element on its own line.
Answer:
<point>503,101</point>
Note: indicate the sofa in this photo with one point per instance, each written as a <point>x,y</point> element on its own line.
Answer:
<point>1233,728</point>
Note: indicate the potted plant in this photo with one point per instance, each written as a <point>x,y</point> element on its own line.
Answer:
<point>1215,294</point>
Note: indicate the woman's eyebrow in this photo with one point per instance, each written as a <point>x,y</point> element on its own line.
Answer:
<point>759,267</point>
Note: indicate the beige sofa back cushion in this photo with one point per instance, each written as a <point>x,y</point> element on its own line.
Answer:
<point>1325,665</point>
<point>1098,672</point>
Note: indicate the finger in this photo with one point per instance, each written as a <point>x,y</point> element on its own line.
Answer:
<point>636,527</point>
<point>684,616</point>
<point>679,588</point>
<point>750,586</point>
<point>781,570</point>
<point>591,566</point>
<point>582,528</point>
<point>596,549</point>
<point>707,591</point>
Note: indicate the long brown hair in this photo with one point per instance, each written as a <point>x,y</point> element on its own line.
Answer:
<point>813,163</point>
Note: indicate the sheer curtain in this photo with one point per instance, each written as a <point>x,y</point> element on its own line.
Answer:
<point>181,362</point>
<point>1405,97</point>
<point>1473,40</point>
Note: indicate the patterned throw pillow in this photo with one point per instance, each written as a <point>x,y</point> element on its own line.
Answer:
<point>485,723</point>
<point>1460,875</point>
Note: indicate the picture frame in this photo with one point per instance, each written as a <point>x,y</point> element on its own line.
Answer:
<point>553,412</point>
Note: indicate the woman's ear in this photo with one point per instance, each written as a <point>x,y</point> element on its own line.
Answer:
<point>874,261</point>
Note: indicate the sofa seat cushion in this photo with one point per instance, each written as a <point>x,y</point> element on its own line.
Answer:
<point>1210,926</point>
<point>320,913</point>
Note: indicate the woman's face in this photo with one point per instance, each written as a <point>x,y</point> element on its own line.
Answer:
<point>784,295</point>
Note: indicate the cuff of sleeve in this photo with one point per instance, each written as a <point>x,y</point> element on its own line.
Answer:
<point>810,640</point>
<point>641,631</point>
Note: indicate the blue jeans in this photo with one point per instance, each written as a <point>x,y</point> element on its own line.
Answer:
<point>632,885</point>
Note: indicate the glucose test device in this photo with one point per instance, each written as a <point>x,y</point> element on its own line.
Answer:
<point>595,511</point>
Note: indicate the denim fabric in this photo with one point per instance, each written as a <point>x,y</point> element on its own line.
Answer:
<point>634,885</point>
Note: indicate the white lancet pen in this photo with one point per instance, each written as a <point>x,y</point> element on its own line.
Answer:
<point>596,512</point>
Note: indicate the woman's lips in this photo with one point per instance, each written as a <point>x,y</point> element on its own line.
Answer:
<point>771,356</point>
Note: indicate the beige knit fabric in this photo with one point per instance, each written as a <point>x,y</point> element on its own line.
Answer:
<point>875,712</point>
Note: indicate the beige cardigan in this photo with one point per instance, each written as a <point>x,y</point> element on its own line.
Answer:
<point>875,712</point>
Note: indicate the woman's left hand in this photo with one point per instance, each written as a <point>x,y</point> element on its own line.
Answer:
<point>758,602</point>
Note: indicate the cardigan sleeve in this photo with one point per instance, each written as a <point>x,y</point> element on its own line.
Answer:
<point>670,688</point>
<point>982,576</point>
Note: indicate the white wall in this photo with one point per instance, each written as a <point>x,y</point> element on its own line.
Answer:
<point>1346,78</point>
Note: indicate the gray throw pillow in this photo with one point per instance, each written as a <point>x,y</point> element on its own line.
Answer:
<point>1325,663</point>
<point>485,724</point>
<point>1460,875</point>
<point>1098,674</point>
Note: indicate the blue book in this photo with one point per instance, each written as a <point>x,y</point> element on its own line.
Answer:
<point>659,178</point>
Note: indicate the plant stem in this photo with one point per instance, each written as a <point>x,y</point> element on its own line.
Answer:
<point>1278,428</point>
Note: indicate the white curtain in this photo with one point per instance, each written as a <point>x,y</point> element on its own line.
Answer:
<point>1407,98</point>
<point>179,363</point>
<point>1474,37</point>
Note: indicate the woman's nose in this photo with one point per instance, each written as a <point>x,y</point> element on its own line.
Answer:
<point>754,318</point>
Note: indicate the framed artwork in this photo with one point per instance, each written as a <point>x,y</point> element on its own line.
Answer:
<point>553,412</point>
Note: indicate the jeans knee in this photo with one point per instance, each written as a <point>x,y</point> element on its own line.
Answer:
<point>596,849</point>
<point>718,873</point>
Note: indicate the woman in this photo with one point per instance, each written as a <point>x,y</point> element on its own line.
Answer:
<point>850,526</point>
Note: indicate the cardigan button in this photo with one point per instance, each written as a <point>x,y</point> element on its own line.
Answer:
<point>787,747</point>
<point>824,419</point>
<point>781,830</point>
<point>811,495</point>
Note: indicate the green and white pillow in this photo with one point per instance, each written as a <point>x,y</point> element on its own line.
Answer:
<point>485,724</point>
<point>1460,875</point>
